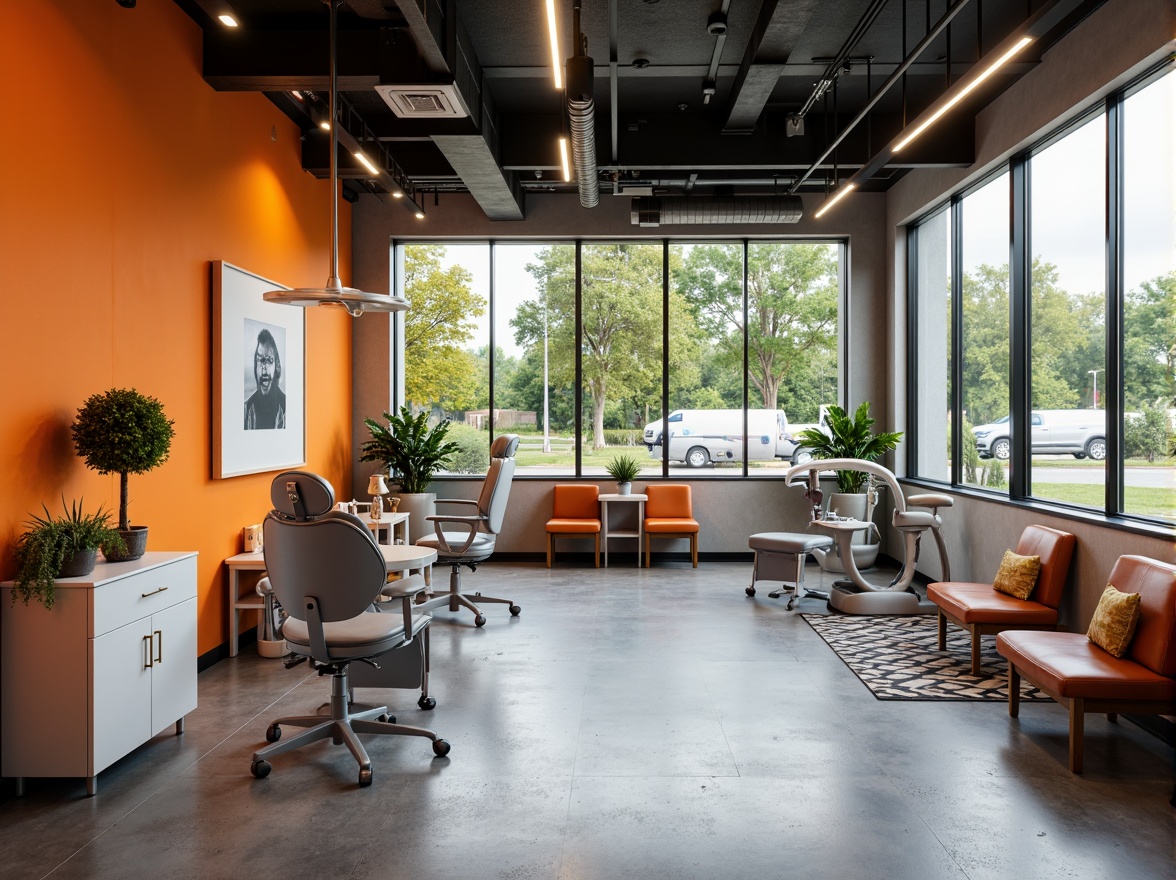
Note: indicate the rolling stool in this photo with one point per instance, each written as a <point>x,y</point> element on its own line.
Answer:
<point>780,556</point>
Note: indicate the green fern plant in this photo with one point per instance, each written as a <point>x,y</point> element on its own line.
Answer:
<point>623,468</point>
<point>849,438</point>
<point>49,542</point>
<point>408,448</point>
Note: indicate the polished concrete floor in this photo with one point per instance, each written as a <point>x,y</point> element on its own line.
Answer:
<point>631,723</point>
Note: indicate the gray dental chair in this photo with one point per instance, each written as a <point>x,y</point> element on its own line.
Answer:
<point>326,570</point>
<point>469,539</point>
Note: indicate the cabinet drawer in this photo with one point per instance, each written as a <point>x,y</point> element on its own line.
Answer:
<point>137,595</point>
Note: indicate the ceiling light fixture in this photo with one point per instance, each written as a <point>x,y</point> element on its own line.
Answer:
<point>837,197</point>
<point>964,92</point>
<point>564,161</point>
<point>366,162</point>
<point>227,20</point>
<point>334,293</point>
<point>553,36</point>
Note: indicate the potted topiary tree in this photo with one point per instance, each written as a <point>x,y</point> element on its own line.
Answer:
<point>846,437</point>
<point>411,453</point>
<point>123,432</point>
<point>54,547</point>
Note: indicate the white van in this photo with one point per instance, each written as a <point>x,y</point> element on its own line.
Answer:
<point>699,437</point>
<point>1079,432</point>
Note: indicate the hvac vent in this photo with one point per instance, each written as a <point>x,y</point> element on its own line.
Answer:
<point>424,102</point>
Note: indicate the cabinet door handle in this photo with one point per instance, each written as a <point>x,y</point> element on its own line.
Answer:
<point>159,650</point>
<point>147,644</point>
<point>153,592</point>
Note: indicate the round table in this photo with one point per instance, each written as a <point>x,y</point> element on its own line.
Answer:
<point>409,557</point>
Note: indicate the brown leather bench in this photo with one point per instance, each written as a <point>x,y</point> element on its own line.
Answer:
<point>1083,677</point>
<point>984,611</point>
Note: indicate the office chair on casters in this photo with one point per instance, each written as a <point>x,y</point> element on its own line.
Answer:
<point>468,540</point>
<point>326,570</point>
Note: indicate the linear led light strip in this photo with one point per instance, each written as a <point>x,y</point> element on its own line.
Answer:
<point>837,197</point>
<point>553,35</point>
<point>563,159</point>
<point>964,92</point>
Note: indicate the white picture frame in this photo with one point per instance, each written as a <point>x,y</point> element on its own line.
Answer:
<point>259,376</point>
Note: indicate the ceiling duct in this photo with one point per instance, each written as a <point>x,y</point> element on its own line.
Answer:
<point>582,117</point>
<point>688,210</point>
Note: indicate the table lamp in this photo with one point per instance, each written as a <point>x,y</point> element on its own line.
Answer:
<point>376,488</point>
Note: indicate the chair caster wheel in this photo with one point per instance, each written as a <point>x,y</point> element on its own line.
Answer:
<point>427,703</point>
<point>440,748</point>
<point>259,769</point>
<point>386,718</point>
<point>365,777</point>
<point>273,733</point>
<point>775,594</point>
<point>750,591</point>
<point>788,607</point>
<point>480,620</point>
<point>515,610</point>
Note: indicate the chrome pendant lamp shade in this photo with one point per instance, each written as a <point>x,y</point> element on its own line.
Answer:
<point>333,293</point>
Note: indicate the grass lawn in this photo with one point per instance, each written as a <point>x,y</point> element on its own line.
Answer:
<point>1139,500</point>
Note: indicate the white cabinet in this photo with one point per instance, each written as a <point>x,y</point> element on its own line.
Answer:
<point>110,666</point>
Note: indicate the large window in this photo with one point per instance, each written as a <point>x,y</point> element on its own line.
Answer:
<point>579,347</point>
<point>1066,307</point>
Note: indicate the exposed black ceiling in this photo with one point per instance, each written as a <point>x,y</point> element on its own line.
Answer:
<point>657,57</point>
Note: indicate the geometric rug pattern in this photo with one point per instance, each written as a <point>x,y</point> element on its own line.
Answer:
<point>897,658</point>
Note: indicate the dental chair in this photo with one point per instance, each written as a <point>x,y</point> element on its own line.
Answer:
<point>469,539</point>
<point>856,595</point>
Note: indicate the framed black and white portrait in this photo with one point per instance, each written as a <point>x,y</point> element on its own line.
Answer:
<point>259,376</point>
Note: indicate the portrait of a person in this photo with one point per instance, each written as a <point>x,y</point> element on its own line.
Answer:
<point>265,408</point>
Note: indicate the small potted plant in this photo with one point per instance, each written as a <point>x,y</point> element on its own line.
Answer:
<point>56,547</point>
<point>411,453</point>
<point>123,432</point>
<point>624,469</point>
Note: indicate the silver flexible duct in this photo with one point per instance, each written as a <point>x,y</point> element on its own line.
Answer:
<point>582,124</point>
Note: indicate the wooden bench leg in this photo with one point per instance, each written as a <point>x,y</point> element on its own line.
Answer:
<point>1077,716</point>
<point>1014,690</point>
<point>975,650</point>
<point>942,631</point>
<point>647,548</point>
<point>694,548</point>
<point>597,536</point>
<point>549,549</point>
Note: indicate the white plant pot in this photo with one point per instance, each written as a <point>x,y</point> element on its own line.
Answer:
<point>418,505</point>
<point>624,488</point>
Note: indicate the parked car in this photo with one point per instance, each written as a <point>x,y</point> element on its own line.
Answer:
<point>1079,432</point>
<point>699,437</point>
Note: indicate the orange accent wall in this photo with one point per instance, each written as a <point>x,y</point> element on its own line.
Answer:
<point>125,175</point>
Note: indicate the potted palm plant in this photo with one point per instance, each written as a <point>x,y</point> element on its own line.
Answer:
<point>123,432</point>
<point>411,453</point>
<point>624,469</point>
<point>850,437</point>
<point>54,547</point>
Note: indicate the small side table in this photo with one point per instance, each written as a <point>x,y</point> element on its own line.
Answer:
<point>395,526</point>
<point>409,557</point>
<point>253,561</point>
<point>606,533</point>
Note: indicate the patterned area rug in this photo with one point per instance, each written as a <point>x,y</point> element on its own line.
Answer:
<point>897,658</point>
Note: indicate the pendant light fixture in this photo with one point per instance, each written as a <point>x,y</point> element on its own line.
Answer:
<point>334,293</point>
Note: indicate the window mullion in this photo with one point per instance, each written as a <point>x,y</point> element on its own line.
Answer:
<point>1020,327</point>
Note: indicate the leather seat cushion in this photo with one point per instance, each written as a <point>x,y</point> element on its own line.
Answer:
<point>672,525</point>
<point>483,544</point>
<point>788,542</point>
<point>367,635</point>
<point>979,603</point>
<point>1073,666</point>
<point>573,526</point>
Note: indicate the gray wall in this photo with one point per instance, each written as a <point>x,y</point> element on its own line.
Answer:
<point>1116,43</point>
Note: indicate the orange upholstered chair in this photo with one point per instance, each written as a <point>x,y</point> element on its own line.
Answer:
<point>668,514</point>
<point>982,610</point>
<point>575,513</point>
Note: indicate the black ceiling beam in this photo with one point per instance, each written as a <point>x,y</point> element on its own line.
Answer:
<point>776,33</point>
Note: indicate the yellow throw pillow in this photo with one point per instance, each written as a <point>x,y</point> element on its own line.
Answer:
<point>1114,621</point>
<point>1017,575</point>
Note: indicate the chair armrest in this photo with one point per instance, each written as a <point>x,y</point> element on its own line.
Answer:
<point>406,586</point>
<point>456,501</point>
<point>468,522</point>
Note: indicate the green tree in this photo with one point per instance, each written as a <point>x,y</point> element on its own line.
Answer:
<point>791,317</point>
<point>437,367</point>
<point>1149,342</point>
<point>621,305</point>
<point>1145,435</point>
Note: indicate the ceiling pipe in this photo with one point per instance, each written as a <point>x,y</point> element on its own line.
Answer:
<point>582,116</point>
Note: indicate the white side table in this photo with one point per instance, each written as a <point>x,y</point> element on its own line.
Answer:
<point>606,533</point>
<point>395,526</point>
<point>409,557</point>
<point>252,561</point>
